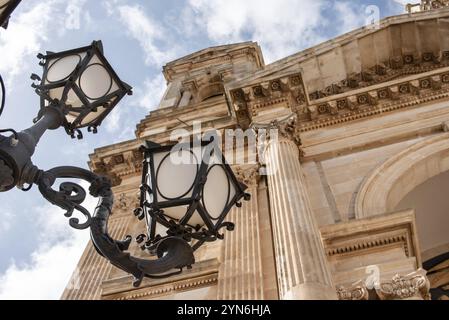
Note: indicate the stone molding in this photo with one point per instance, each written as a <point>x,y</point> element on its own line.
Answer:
<point>203,274</point>
<point>357,236</point>
<point>374,100</point>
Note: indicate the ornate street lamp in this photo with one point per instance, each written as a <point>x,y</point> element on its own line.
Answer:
<point>187,189</point>
<point>6,8</point>
<point>83,84</point>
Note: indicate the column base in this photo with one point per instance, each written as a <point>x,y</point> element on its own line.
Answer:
<point>311,291</point>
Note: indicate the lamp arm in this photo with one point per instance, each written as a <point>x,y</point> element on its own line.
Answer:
<point>16,151</point>
<point>172,252</point>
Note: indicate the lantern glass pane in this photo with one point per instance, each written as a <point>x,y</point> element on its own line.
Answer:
<point>216,191</point>
<point>72,98</point>
<point>92,116</point>
<point>61,68</point>
<point>96,81</point>
<point>2,94</point>
<point>175,174</point>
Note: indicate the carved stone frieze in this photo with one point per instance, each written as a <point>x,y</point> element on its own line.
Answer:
<point>285,93</point>
<point>118,165</point>
<point>380,99</point>
<point>394,68</point>
<point>414,285</point>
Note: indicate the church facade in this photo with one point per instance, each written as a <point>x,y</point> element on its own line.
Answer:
<point>348,202</point>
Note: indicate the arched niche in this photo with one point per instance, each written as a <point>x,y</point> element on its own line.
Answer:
<point>388,184</point>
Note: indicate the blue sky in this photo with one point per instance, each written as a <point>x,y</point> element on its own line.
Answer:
<point>38,249</point>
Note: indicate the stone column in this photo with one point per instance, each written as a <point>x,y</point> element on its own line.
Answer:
<point>302,268</point>
<point>241,270</point>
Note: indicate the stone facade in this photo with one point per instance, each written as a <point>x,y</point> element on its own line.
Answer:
<point>362,121</point>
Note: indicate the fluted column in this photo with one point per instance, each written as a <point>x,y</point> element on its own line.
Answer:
<point>240,276</point>
<point>302,268</point>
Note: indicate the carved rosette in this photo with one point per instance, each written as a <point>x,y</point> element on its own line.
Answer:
<point>356,292</point>
<point>414,285</point>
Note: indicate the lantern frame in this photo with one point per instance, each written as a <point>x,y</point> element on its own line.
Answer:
<point>71,82</point>
<point>152,208</point>
<point>3,95</point>
<point>8,8</point>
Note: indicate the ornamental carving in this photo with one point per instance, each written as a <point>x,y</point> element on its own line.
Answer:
<point>248,175</point>
<point>286,93</point>
<point>392,96</point>
<point>414,285</point>
<point>356,292</point>
<point>125,203</point>
<point>118,165</point>
<point>286,128</point>
<point>394,68</point>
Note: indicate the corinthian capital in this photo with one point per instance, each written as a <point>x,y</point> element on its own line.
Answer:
<point>281,129</point>
<point>248,174</point>
<point>414,285</point>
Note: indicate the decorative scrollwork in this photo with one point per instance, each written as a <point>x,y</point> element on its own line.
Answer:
<point>172,252</point>
<point>70,195</point>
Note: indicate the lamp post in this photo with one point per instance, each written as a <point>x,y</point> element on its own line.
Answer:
<point>6,8</point>
<point>187,189</point>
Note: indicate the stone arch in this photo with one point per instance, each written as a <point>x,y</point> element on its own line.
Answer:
<point>396,177</point>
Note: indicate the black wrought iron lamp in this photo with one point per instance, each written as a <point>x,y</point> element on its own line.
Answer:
<point>83,84</point>
<point>187,191</point>
<point>79,88</point>
<point>6,8</point>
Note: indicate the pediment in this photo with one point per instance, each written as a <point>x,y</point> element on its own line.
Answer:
<point>216,55</point>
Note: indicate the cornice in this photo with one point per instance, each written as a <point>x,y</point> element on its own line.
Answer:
<point>203,274</point>
<point>374,100</point>
<point>379,232</point>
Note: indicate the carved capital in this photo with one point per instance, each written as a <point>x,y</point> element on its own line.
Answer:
<point>358,291</point>
<point>249,175</point>
<point>413,285</point>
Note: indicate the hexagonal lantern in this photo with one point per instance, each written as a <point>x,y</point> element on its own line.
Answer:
<point>187,191</point>
<point>83,84</point>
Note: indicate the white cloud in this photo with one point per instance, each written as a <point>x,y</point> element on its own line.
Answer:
<point>6,221</point>
<point>31,27</point>
<point>151,93</point>
<point>350,16</point>
<point>24,36</point>
<point>281,27</point>
<point>52,263</point>
<point>150,35</point>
